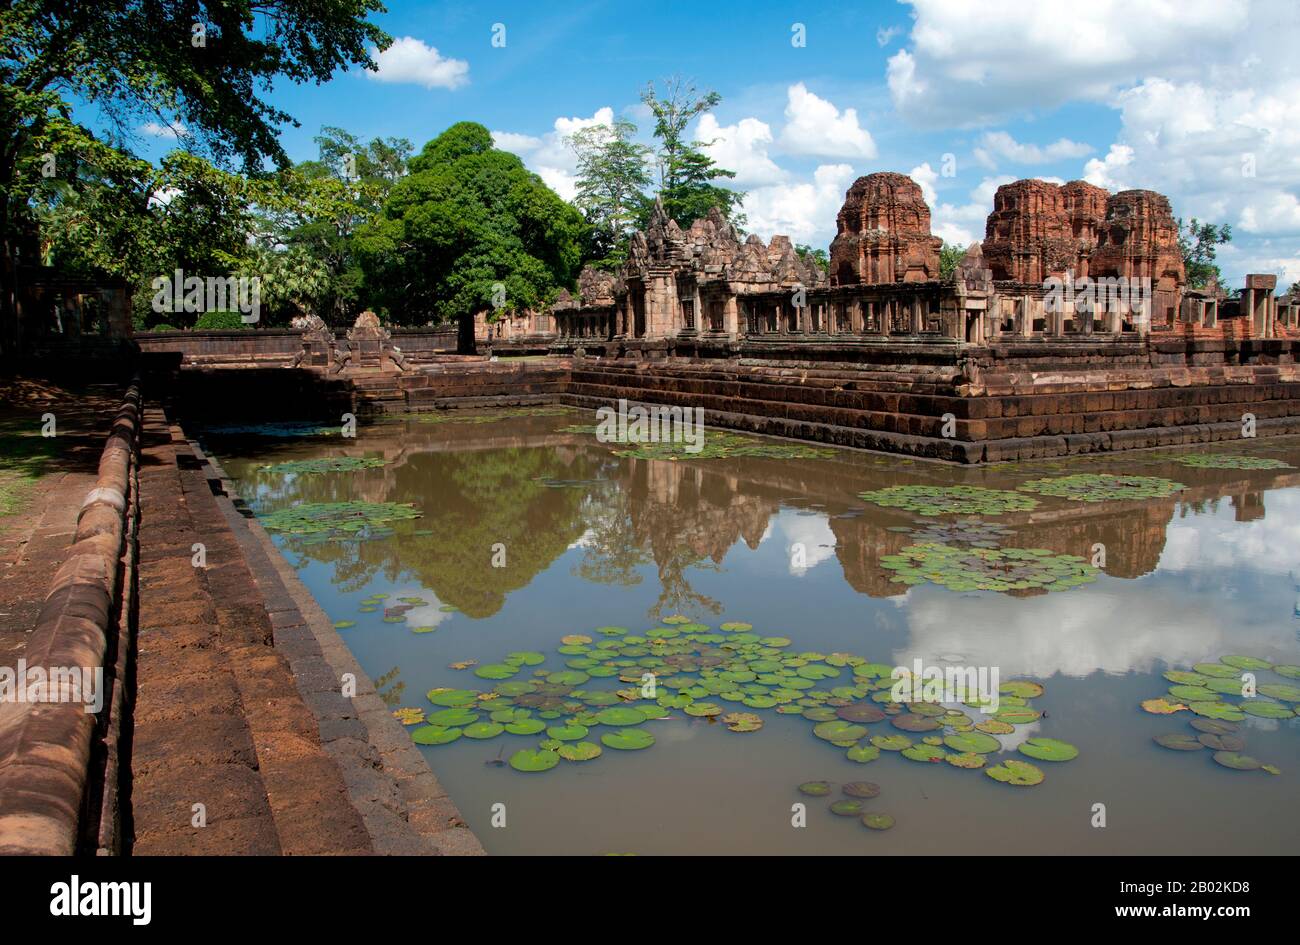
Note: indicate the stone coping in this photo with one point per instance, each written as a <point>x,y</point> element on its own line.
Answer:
<point>47,747</point>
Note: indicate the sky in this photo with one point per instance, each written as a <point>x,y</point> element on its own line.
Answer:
<point>1197,99</point>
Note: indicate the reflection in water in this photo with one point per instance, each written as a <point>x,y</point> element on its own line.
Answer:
<point>591,539</point>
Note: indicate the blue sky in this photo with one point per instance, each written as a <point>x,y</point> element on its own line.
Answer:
<point>1198,99</point>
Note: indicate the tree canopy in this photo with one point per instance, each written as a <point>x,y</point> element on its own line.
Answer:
<point>470,230</point>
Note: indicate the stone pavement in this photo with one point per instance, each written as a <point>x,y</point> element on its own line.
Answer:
<point>238,705</point>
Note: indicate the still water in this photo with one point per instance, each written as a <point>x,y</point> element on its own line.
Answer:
<point>531,531</point>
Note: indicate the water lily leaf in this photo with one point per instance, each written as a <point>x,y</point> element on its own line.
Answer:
<point>1095,487</point>
<point>911,722</point>
<point>1017,715</point>
<point>891,742</point>
<point>877,821</point>
<point>628,739</point>
<point>703,709</point>
<point>1162,706</point>
<point>1221,742</point>
<point>1217,710</point>
<point>496,671</point>
<point>1218,670</point>
<point>575,639</point>
<point>620,715</point>
<point>1238,762</point>
<point>567,733</point>
<point>863,712</point>
<point>579,751</point>
<point>1049,749</point>
<point>975,742</point>
<point>409,716</point>
<point>923,752</point>
<point>965,759</point>
<point>1266,710</point>
<point>838,730</point>
<point>483,730</point>
<point>530,760</point>
<point>1280,691</point>
<point>1019,773</point>
<point>742,721</point>
<point>1214,726</point>
<point>995,727</point>
<point>1024,688</point>
<point>862,753</point>
<point>815,788</point>
<point>865,789</point>
<point>1251,663</point>
<point>1178,742</point>
<point>850,807</point>
<point>1287,670</point>
<point>453,717</point>
<point>435,735</point>
<point>344,624</point>
<point>525,727</point>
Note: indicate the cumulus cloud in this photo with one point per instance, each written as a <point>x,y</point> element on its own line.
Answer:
<point>550,156</point>
<point>816,127</point>
<point>999,144</point>
<point>975,63</point>
<point>803,210</point>
<point>742,148</point>
<point>409,61</point>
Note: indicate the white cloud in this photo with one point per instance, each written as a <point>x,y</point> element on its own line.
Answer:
<point>742,148</point>
<point>999,144</point>
<point>972,63</point>
<point>1102,171</point>
<point>176,129</point>
<point>409,60</point>
<point>550,156</point>
<point>816,127</point>
<point>802,210</point>
<point>885,34</point>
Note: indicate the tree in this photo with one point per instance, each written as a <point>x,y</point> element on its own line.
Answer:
<point>311,214</point>
<point>469,230</point>
<point>197,64</point>
<point>613,175</point>
<point>687,174</point>
<point>817,257</point>
<point>1197,242</point>
<point>950,257</point>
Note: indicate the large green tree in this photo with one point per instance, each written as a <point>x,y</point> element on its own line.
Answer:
<point>687,176</point>
<point>204,65</point>
<point>613,175</point>
<point>469,230</point>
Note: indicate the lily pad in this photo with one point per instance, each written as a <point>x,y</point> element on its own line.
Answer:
<point>1266,710</point>
<point>865,789</point>
<point>815,788</point>
<point>923,752</point>
<point>531,760</point>
<point>947,500</point>
<point>579,751</point>
<point>877,821</point>
<point>628,739</point>
<point>1019,773</point>
<point>435,735</point>
<point>620,715</point>
<point>1096,487</point>
<point>974,742</point>
<point>891,742</point>
<point>862,754</point>
<point>965,759</point>
<point>1049,749</point>
<point>1162,706</point>
<point>484,730</point>
<point>1178,742</point>
<point>1237,762</point>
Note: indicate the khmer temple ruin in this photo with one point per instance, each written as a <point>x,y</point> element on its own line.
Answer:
<point>1058,262</point>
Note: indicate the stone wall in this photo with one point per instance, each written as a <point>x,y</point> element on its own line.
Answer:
<point>273,344</point>
<point>58,763</point>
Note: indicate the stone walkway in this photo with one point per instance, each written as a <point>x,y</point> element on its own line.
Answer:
<point>238,703</point>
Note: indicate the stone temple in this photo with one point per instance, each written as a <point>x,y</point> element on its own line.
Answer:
<point>1043,246</point>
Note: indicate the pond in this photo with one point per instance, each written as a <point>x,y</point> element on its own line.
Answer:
<point>644,653</point>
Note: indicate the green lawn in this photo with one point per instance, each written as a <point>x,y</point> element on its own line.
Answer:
<point>24,456</point>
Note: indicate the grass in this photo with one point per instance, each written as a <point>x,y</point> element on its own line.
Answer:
<point>24,457</point>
